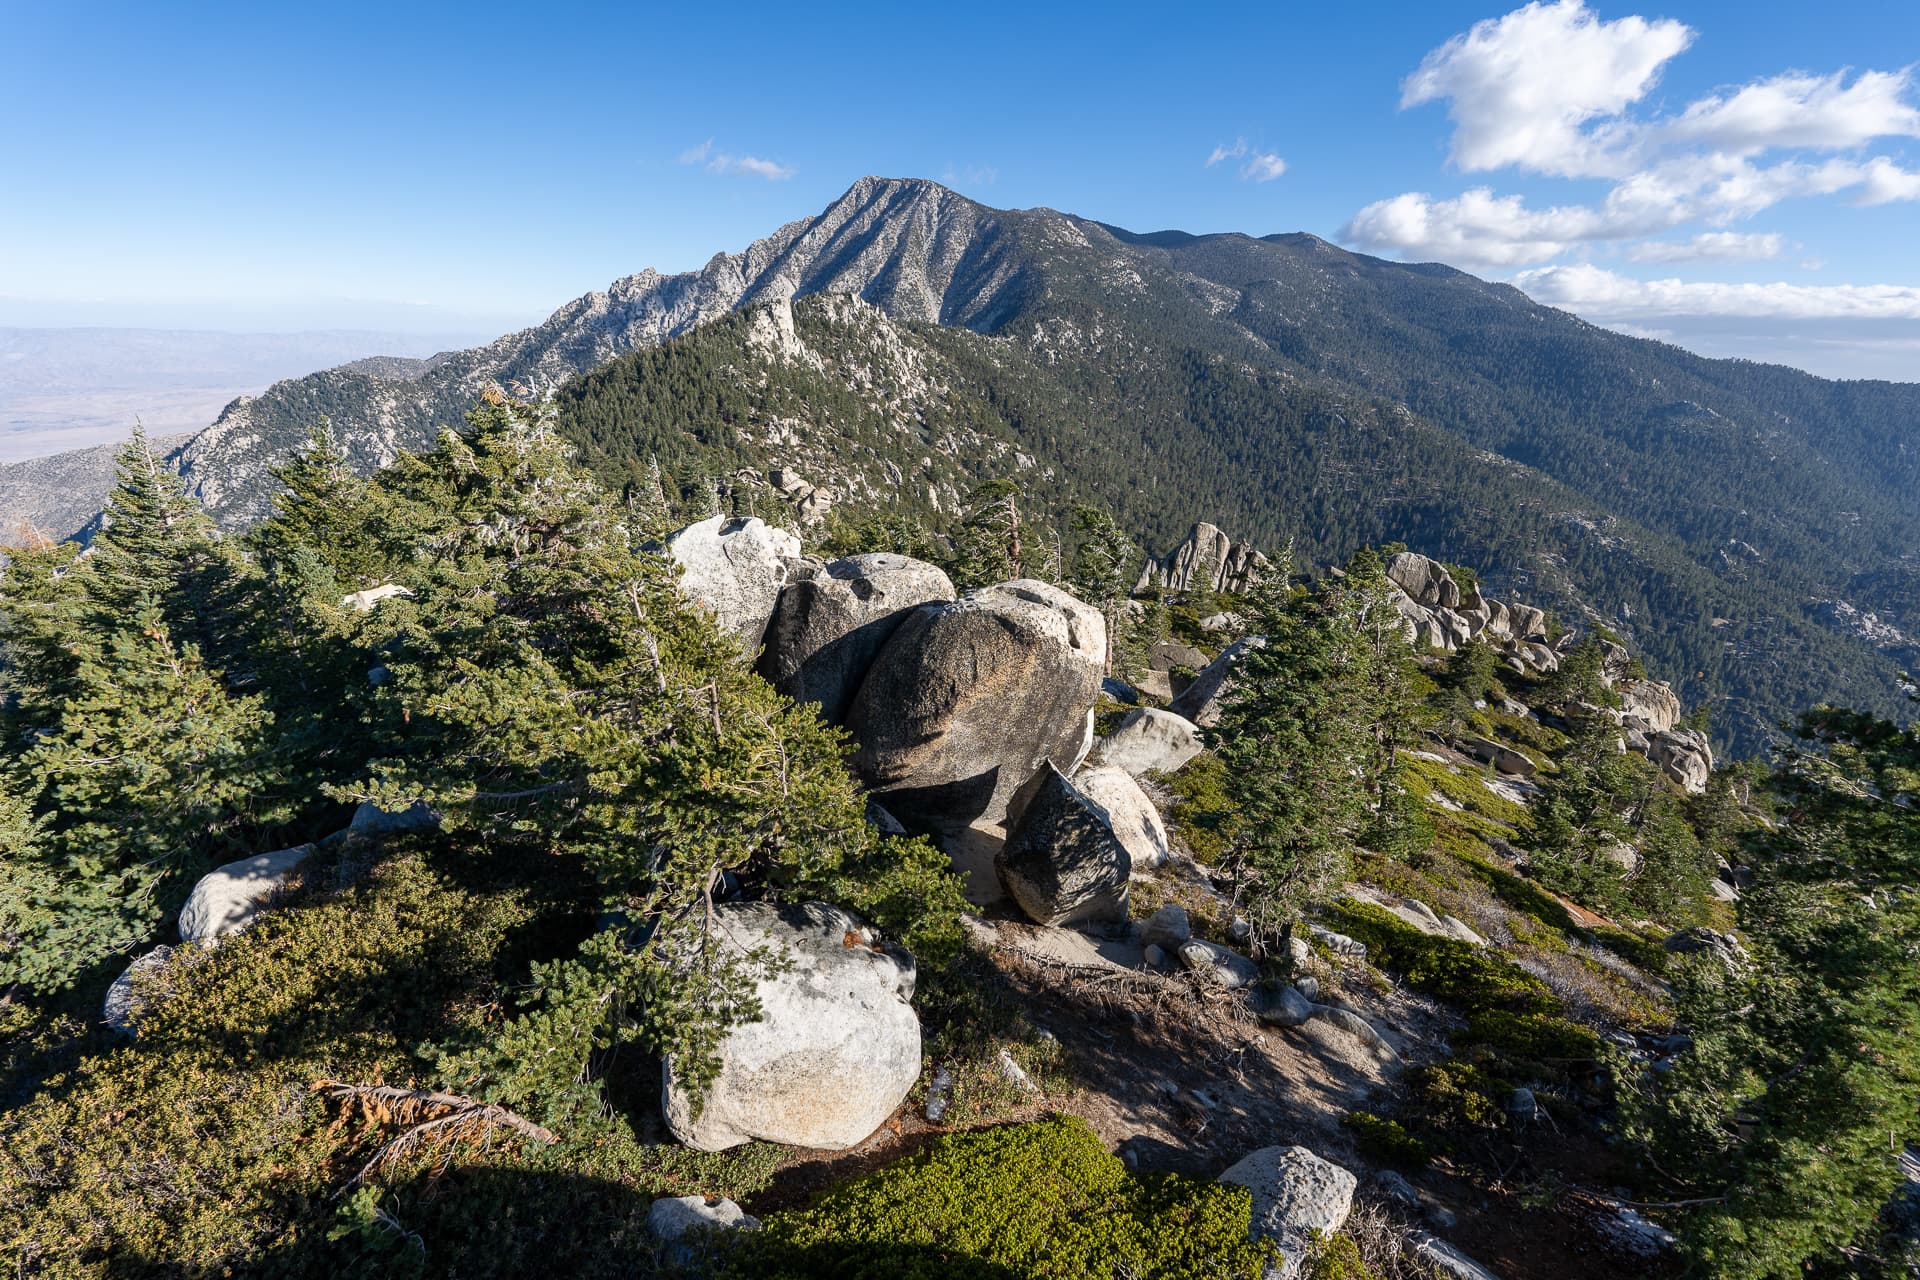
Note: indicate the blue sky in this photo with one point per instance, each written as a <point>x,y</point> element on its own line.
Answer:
<point>472,167</point>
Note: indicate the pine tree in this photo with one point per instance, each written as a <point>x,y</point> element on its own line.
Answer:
<point>1296,737</point>
<point>1784,1118</point>
<point>1105,563</point>
<point>648,512</point>
<point>988,544</point>
<point>566,695</point>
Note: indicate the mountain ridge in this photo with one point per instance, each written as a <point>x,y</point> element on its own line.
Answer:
<point>1789,491</point>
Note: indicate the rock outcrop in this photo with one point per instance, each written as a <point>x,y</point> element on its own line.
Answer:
<point>1684,755</point>
<point>1207,558</point>
<point>1650,706</point>
<point>837,1046</point>
<point>130,992</point>
<point>1148,740</point>
<point>1221,966</point>
<point>1439,614</point>
<point>1297,1197</point>
<point>968,698</point>
<point>1200,703</point>
<point>1130,815</point>
<point>229,898</point>
<point>1063,863</point>
<point>734,567</point>
<point>832,620</point>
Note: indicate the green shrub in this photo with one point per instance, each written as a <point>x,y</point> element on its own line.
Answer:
<point>1461,974</point>
<point>1041,1199</point>
<point>1385,1141</point>
<point>1531,1037</point>
<point>1640,951</point>
<point>1204,815</point>
<point>1459,1096</point>
<point>1338,1258</point>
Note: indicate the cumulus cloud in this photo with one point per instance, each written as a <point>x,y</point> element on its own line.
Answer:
<point>1796,110</point>
<point>1598,293</point>
<point>1721,245</point>
<point>723,162</point>
<point>1255,166</point>
<point>1549,89</point>
<point>1522,89</point>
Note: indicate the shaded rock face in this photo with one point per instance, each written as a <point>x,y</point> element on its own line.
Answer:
<point>837,1046</point>
<point>1148,740</point>
<point>1130,815</point>
<point>371,821</point>
<point>833,619</point>
<point>685,1227</point>
<point>1207,558</point>
<point>968,698</point>
<point>734,568</point>
<point>1201,702</point>
<point>1062,862</point>
<point>1297,1197</point>
<point>1425,580</point>
<point>229,898</point>
<point>1684,756</point>
<point>127,997</point>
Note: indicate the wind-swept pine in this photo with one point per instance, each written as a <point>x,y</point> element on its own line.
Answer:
<point>1303,734</point>
<point>565,695</point>
<point>1785,1117</point>
<point>137,755</point>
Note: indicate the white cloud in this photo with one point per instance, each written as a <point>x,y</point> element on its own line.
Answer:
<point>1256,166</point>
<point>1548,89</point>
<point>1522,89</point>
<point>1721,245</point>
<point>1595,292</point>
<point>735,166</point>
<point>1797,110</point>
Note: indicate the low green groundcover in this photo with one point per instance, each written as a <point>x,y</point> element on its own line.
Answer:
<point>1034,1200</point>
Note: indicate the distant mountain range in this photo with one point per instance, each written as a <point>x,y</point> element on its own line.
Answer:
<point>1750,527</point>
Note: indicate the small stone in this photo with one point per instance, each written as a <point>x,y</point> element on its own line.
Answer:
<point>1218,964</point>
<point>1395,1187</point>
<point>1167,928</point>
<point>1280,1005</point>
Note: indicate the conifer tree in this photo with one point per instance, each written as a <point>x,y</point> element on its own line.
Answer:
<point>1105,563</point>
<point>566,695</point>
<point>1782,1123</point>
<point>1296,737</point>
<point>988,544</point>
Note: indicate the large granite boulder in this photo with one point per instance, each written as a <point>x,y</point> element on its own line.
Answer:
<point>1684,756</point>
<point>1502,757</point>
<point>969,697</point>
<point>1297,1197</point>
<point>837,1045</point>
<point>130,993</point>
<point>1201,702</point>
<point>1425,579</point>
<point>833,618</point>
<point>229,898</point>
<point>734,567</point>
<point>1148,740</point>
<point>1650,706</point>
<point>1062,862</point>
<point>1130,815</point>
<point>1526,622</point>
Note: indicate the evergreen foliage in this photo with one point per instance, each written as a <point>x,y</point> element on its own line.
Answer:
<point>1783,1120</point>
